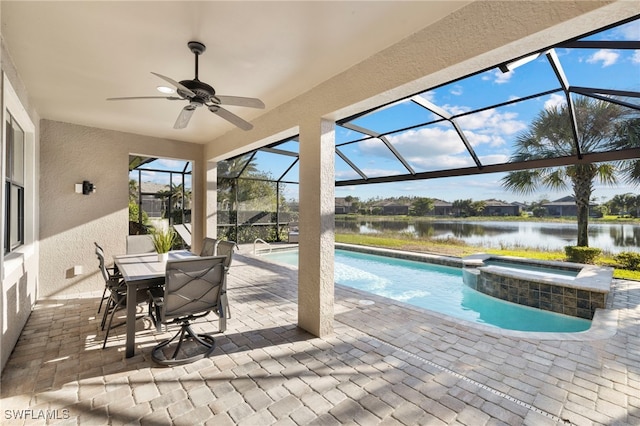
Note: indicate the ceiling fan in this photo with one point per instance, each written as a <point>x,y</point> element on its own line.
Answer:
<point>201,94</point>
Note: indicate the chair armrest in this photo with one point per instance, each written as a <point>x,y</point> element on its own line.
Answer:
<point>114,273</point>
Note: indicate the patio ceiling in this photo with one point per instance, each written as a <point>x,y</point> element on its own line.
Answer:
<point>74,55</point>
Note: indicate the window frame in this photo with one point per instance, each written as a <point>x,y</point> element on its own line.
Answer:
<point>13,260</point>
<point>14,205</point>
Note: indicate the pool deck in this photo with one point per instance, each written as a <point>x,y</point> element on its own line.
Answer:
<point>386,363</point>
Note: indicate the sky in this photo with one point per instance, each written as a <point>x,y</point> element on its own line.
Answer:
<point>491,132</point>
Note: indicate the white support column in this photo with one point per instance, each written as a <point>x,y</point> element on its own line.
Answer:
<point>199,208</point>
<point>211,217</point>
<point>317,208</point>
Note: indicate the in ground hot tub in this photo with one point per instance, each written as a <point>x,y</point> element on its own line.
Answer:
<point>566,288</point>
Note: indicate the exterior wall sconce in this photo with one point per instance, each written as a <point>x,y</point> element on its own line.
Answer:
<point>85,188</point>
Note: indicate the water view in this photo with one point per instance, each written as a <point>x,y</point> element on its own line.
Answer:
<point>612,238</point>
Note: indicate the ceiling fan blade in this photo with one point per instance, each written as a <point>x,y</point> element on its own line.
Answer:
<point>184,117</point>
<point>171,98</point>
<point>230,117</point>
<point>175,84</point>
<point>240,101</point>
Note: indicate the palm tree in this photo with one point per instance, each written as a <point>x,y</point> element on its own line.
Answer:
<point>133,190</point>
<point>601,126</point>
<point>229,171</point>
<point>622,203</point>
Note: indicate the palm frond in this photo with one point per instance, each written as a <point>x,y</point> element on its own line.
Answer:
<point>606,173</point>
<point>555,179</point>
<point>522,182</point>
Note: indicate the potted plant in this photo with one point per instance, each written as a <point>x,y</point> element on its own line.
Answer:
<point>163,242</point>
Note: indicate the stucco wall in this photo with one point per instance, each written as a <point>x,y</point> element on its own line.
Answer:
<point>71,222</point>
<point>20,269</point>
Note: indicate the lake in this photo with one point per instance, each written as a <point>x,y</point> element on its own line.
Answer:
<point>612,238</point>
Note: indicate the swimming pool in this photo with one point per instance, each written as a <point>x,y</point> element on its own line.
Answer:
<point>437,288</point>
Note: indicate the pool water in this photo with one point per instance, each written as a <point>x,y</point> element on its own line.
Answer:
<point>437,288</point>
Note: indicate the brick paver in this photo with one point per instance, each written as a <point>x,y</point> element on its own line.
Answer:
<point>387,363</point>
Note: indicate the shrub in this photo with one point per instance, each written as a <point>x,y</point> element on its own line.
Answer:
<point>134,211</point>
<point>629,260</point>
<point>163,239</point>
<point>582,254</point>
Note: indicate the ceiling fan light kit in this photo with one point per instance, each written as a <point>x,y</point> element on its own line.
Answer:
<point>201,94</point>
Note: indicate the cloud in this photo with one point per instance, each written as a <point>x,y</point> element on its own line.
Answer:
<point>371,172</point>
<point>498,76</point>
<point>347,174</point>
<point>429,148</point>
<point>457,90</point>
<point>494,159</point>
<point>636,57</point>
<point>492,122</point>
<point>430,95</point>
<point>438,147</point>
<point>605,56</point>
<point>491,139</point>
<point>628,31</point>
<point>502,77</point>
<point>349,189</point>
<point>442,162</point>
<point>555,101</point>
<point>427,141</point>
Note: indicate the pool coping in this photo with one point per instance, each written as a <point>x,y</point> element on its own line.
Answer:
<point>604,324</point>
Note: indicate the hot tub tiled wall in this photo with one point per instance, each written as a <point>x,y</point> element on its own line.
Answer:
<point>579,296</point>
<point>550,297</point>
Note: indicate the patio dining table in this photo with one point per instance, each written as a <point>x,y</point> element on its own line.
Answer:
<point>142,271</point>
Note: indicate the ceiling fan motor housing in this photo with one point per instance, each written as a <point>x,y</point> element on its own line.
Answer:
<point>197,47</point>
<point>203,91</point>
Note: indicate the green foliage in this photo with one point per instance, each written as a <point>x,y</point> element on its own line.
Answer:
<point>462,207</point>
<point>163,239</point>
<point>601,211</point>
<point>539,212</point>
<point>134,212</point>
<point>421,206</point>
<point>477,207</point>
<point>624,204</point>
<point>248,233</point>
<point>629,260</point>
<point>625,274</point>
<point>580,254</point>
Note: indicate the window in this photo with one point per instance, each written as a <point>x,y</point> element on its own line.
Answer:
<point>14,185</point>
<point>19,194</point>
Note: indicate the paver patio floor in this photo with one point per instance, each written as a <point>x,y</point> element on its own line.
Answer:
<point>386,363</point>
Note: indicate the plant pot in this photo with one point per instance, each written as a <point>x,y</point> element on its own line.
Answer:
<point>163,257</point>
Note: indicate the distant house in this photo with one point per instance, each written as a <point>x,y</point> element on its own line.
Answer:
<point>442,208</point>
<point>566,206</point>
<point>394,207</point>
<point>342,206</point>
<point>501,208</point>
<point>521,206</point>
<point>152,204</point>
